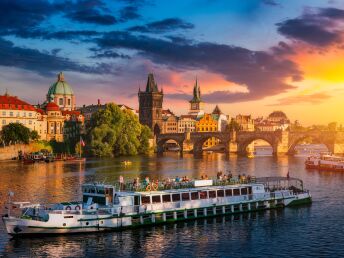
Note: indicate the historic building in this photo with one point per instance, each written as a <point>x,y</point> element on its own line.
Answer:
<point>277,120</point>
<point>150,105</point>
<point>61,94</point>
<point>186,123</point>
<point>246,122</point>
<point>15,110</point>
<point>170,122</point>
<point>49,118</point>
<point>196,104</point>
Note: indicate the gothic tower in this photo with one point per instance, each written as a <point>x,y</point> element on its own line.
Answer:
<point>150,105</point>
<point>196,104</point>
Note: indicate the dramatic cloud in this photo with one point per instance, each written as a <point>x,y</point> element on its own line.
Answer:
<point>315,98</point>
<point>60,35</point>
<point>163,26</point>
<point>43,63</point>
<point>262,73</point>
<point>107,54</point>
<point>320,26</point>
<point>129,13</point>
<point>92,16</point>
<point>270,2</point>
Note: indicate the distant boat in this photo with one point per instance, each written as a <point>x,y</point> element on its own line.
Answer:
<point>126,162</point>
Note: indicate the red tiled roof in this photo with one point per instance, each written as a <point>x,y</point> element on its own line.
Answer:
<point>39,110</point>
<point>51,106</point>
<point>12,102</point>
<point>71,112</point>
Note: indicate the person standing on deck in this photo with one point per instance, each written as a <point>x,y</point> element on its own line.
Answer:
<point>121,182</point>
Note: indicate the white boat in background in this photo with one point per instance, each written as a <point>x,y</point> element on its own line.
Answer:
<point>104,207</point>
<point>325,161</point>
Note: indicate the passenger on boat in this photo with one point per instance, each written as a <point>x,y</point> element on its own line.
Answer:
<point>121,182</point>
<point>177,180</point>
<point>146,181</point>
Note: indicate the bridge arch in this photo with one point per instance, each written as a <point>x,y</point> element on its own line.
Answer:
<point>242,145</point>
<point>163,139</point>
<point>199,142</point>
<point>316,138</point>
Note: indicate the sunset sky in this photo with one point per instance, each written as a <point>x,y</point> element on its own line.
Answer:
<point>250,57</point>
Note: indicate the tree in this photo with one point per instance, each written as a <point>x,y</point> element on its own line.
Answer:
<point>233,126</point>
<point>114,132</point>
<point>332,126</point>
<point>34,135</point>
<point>15,133</point>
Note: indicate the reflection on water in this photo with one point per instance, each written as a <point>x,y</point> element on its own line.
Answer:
<point>293,232</point>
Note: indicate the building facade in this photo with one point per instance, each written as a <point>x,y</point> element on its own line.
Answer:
<point>150,105</point>
<point>246,122</point>
<point>170,122</point>
<point>61,94</point>
<point>187,123</point>
<point>277,120</point>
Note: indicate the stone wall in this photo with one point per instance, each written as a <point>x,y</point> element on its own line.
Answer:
<point>10,152</point>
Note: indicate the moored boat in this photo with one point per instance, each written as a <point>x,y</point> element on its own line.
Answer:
<point>107,207</point>
<point>325,161</point>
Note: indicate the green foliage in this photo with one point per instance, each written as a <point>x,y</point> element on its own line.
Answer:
<point>114,132</point>
<point>40,145</point>
<point>60,147</point>
<point>233,126</point>
<point>34,135</point>
<point>79,149</point>
<point>15,133</point>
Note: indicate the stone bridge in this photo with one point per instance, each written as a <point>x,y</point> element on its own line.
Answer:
<point>280,141</point>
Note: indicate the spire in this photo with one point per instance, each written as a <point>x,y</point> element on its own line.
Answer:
<point>217,111</point>
<point>151,84</point>
<point>6,92</point>
<point>196,92</point>
<point>60,77</point>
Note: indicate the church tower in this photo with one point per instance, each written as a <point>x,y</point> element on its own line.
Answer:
<point>196,104</point>
<point>150,105</point>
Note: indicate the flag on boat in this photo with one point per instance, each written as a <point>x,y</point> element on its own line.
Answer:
<point>82,143</point>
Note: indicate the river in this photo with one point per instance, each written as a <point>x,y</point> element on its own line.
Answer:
<point>313,230</point>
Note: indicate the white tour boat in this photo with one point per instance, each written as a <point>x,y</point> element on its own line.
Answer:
<point>325,161</point>
<point>105,207</point>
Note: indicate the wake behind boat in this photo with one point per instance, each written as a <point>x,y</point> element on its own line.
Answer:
<point>110,207</point>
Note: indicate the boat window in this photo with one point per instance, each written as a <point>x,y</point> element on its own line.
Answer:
<point>236,192</point>
<point>136,200</point>
<point>166,198</point>
<point>194,196</point>
<point>145,199</point>
<point>250,190</point>
<point>212,194</point>
<point>243,191</point>
<point>185,197</point>
<point>176,197</point>
<point>220,193</point>
<point>156,199</point>
<point>203,195</point>
<point>229,192</point>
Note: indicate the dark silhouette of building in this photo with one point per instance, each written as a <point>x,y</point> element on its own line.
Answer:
<point>150,105</point>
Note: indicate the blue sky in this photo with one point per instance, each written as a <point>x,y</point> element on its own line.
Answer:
<point>246,53</point>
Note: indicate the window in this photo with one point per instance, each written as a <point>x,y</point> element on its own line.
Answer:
<point>61,101</point>
<point>212,194</point>
<point>250,190</point>
<point>30,122</point>
<point>156,199</point>
<point>185,197</point>
<point>4,113</point>
<point>3,122</point>
<point>228,192</point>
<point>243,191</point>
<point>236,192</point>
<point>11,113</point>
<point>203,195</point>
<point>176,197</point>
<point>145,199</point>
<point>194,196</point>
<point>166,198</point>
<point>220,193</point>
<point>30,114</point>
<point>68,102</point>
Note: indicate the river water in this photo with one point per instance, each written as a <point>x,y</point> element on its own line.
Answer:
<point>315,230</point>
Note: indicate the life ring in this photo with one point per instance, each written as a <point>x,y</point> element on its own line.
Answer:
<point>68,208</point>
<point>77,208</point>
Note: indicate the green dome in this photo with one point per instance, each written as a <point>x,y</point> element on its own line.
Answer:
<point>60,87</point>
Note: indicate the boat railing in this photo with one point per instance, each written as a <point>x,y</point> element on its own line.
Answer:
<point>172,184</point>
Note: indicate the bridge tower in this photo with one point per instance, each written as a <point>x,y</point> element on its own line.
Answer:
<point>150,105</point>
